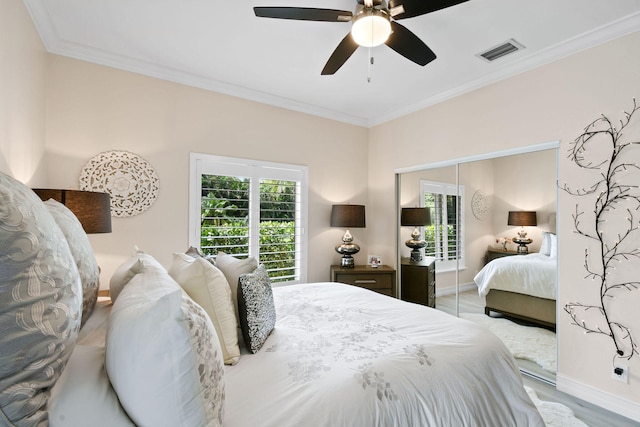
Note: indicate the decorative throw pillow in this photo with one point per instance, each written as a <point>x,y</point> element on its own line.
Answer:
<point>82,253</point>
<point>125,272</point>
<point>256,308</point>
<point>233,268</point>
<point>163,356</point>
<point>41,304</point>
<point>207,286</point>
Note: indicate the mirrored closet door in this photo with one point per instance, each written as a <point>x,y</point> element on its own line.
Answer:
<point>481,274</point>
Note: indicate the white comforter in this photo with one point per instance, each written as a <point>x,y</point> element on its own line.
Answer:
<point>344,356</point>
<point>532,274</point>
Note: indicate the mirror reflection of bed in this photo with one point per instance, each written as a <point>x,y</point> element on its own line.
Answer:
<point>516,294</point>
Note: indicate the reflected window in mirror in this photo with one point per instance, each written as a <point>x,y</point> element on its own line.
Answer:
<point>445,235</point>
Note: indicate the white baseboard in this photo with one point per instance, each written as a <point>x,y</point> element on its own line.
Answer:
<point>452,290</point>
<point>607,401</point>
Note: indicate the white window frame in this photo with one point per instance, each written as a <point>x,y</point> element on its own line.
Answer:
<point>208,164</point>
<point>447,189</point>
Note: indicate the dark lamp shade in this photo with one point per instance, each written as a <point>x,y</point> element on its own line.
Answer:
<point>415,216</point>
<point>522,218</point>
<point>93,209</point>
<point>347,216</point>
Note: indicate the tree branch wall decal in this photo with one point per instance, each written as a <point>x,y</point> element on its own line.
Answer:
<point>609,220</point>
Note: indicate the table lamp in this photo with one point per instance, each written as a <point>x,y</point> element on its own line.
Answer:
<point>522,219</point>
<point>416,217</point>
<point>347,216</point>
<point>92,208</point>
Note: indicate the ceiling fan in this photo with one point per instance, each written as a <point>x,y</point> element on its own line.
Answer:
<point>373,23</point>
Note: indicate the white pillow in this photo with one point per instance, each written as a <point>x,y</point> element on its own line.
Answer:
<point>233,268</point>
<point>125,272</point>
<point>163,356</point>
<point>553,246</point>
<point>207,286</point>
<point>545,247</point>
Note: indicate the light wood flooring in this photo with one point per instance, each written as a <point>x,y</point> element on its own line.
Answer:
<point>593,416</point>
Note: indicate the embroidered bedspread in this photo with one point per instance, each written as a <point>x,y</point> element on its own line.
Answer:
<point>345,356</point>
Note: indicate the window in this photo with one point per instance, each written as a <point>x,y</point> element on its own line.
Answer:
<point>250,208</point>
<point>445,235</point>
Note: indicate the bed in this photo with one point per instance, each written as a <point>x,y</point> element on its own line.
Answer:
<point>522,286</point>
<point>320,354</point>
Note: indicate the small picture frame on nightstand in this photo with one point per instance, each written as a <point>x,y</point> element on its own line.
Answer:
<point>374,261</point>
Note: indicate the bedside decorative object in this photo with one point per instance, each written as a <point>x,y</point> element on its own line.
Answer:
<point>374,261</point>
<point>416,217</point>
<point>347,216</point>
<point>90,207</point>
<point>522,219</point>
<point>503,241</point>
<point>129,179</point>
<point>480,205</point>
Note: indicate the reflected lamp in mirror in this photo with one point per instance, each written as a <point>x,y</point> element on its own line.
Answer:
<point>522,219</point>
<point>416,217</point>
<point>92,208</point>
<point>347,216</point>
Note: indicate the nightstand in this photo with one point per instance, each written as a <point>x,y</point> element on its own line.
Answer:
<point>418,281</point>
<point>381,279</point>
<point>497,253</point>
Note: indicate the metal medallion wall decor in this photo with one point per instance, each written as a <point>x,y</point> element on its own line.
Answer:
<point>609,219</point>
<point>480,205</point>
<point>129,179</point>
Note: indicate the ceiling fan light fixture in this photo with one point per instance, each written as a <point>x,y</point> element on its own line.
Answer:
<point>371,28</point>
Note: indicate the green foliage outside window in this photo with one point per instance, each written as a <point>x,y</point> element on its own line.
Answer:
<point>225,221</point>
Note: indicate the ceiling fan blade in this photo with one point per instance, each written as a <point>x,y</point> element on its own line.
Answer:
<point>339,56</point>
<point>409,45</point>
<point>402,9</point>
<point>304,14</point>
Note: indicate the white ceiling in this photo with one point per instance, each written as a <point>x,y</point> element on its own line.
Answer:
<point>223,47</point>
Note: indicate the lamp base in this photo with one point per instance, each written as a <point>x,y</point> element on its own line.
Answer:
<point>347,250</point>
<point>415,245</point>
<point>416,255</point>
<point>522,245</point>
<point>347,261</point>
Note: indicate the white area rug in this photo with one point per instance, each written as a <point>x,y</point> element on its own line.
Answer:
<point>554,414</point>
<point>537,345</point>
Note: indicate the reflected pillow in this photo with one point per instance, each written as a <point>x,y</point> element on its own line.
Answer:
<point>545,247</point>
<point>553,246</point>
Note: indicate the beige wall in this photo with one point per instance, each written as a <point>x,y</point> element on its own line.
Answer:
<point>91,109</point>
<point>554,102</point>
<point>22,95</point>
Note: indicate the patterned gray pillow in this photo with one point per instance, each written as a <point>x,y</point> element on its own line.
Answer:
<point>40,304</point>
<point>82,253</point>
<point>256,308</point>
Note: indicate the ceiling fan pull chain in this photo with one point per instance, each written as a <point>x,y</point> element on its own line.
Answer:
<point>369,66</point>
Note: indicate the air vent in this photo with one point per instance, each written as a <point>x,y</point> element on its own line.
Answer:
<point>501,50</point>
